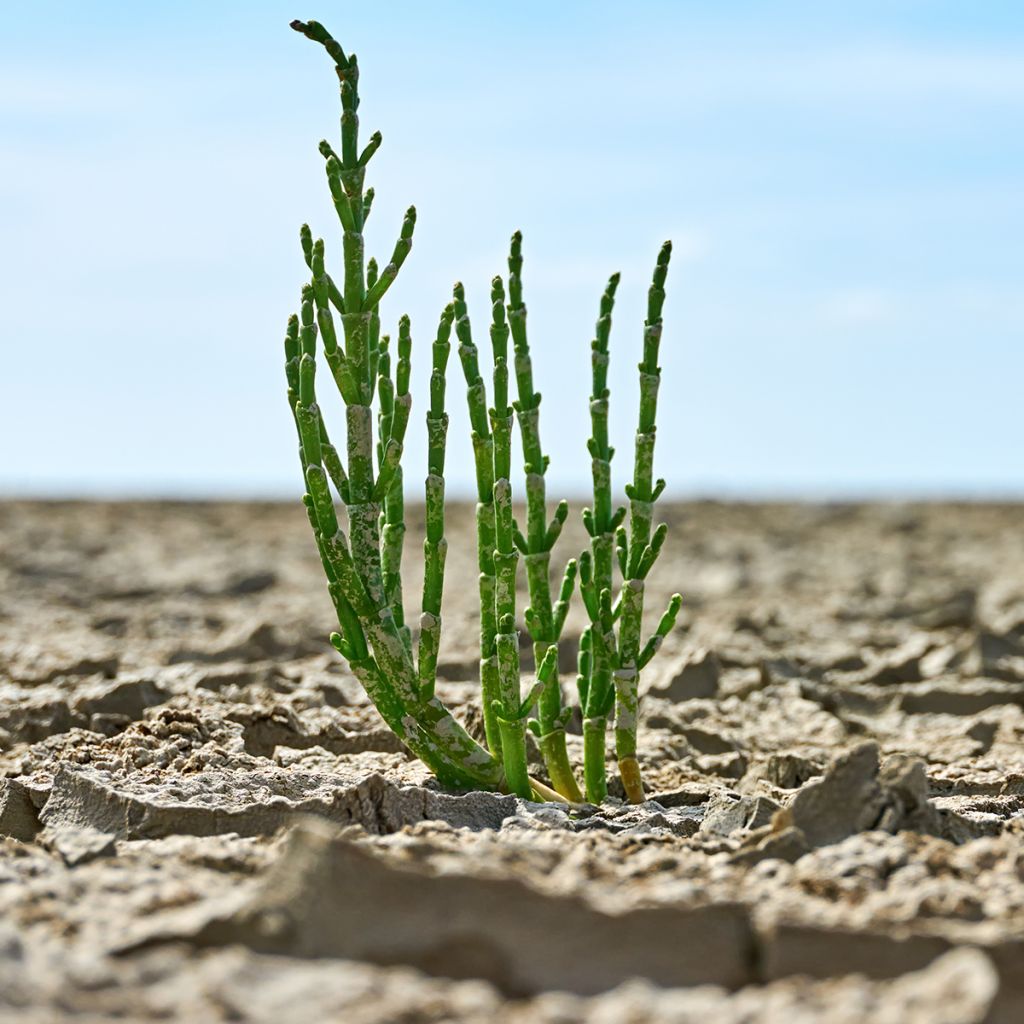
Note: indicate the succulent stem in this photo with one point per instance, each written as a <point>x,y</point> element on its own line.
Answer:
<point>641,549</point>
<point>483,461</point>
<point>543,625</point>
<point>363,570</point>
<point>610,671</point>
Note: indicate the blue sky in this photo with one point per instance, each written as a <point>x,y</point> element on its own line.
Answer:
<point>844,184</point>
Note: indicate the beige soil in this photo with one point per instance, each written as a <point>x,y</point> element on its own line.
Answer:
<point>201,818</point>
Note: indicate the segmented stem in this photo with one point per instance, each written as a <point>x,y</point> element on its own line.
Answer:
<point>435,547</point>
<point>483,460</point>
<point>544,627</point>
<point>596,566</point>
<point>393,529</point>
<point>364,569</point>
<point>640,550</point>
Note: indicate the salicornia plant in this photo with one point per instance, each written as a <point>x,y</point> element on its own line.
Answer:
<point>500,541</point>
<point>363,568</point>
<point>610,664</point>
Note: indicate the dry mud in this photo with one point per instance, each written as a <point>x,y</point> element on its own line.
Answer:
<point>201,819</point>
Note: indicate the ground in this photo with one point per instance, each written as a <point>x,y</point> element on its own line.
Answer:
<point>202,819</point>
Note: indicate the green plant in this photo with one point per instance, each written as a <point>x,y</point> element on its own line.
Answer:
<point>610,665</point>
<point>500,542</point>
<point>363,568</point>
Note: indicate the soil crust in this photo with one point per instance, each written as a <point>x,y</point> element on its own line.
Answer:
<point>203,819</point>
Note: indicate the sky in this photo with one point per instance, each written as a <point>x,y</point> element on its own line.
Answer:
<point>843,184</point>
